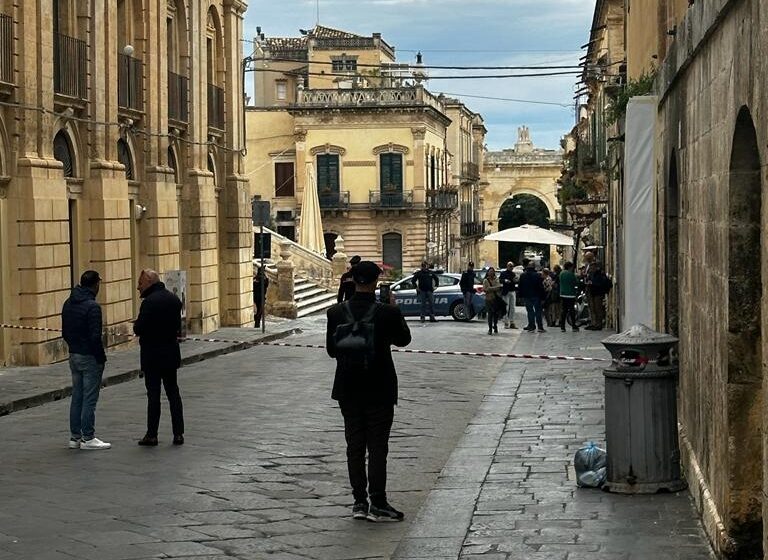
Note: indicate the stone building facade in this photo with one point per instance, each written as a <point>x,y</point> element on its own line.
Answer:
<point>120,149</point>
<point>379,144</point>
<point>524,170</point>
<point>711,253</point>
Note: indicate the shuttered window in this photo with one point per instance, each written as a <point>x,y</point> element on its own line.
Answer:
<point>284,179</point>
<point>391,172</point>
<point>328,173</point>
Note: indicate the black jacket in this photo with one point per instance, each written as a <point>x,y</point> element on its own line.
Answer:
<point>531,285</point>
<point>379,385</point>
<point>425,280</point>
<point>467,282</point>
<point>158,327</point>
<point>257,287</point>
<point>346,287</point>
<point>81,323</point>
<point>599,284</point>
<point>507,279</point>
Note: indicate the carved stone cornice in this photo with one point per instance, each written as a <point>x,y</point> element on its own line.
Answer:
<point>419,132</point>
<point>389,148</point>
<point>300,135</point>
<point>327,149</point>
<point>237,7</point>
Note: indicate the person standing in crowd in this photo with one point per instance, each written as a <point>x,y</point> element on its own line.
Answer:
<point>426,281</point>
<point>467,285</point>
<point>568,292</point>
<point>531,289</point>
<point>346,283</point>
<point>260,285</point>
<point>81,329</point>
<point>367,398</point>
<point>546,279</point>
<point>508,288</point>
<point>158,327</point>
<point>493,300</point>
<point>599,284</point>
<point>554,305</point>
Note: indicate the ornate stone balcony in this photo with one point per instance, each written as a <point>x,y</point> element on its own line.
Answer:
<point>415,96</point>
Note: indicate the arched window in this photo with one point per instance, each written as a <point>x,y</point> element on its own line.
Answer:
<point>63,152</point>
<point>178,52</point>
<point>214,50</point>
<point>124,157</point>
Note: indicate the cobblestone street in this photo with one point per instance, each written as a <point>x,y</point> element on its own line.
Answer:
<point>480,464</point>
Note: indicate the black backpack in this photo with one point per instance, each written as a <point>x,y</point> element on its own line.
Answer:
<point>354,340</point>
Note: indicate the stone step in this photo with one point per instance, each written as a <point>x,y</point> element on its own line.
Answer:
<point>310,291</point>
<point>320,298</point>
<point>317,308</point>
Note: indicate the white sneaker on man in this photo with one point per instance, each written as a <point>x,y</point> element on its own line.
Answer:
<point>95,443</point>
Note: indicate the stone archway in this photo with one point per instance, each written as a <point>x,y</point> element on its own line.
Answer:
<point>744,384</point>
<point>518,210</point>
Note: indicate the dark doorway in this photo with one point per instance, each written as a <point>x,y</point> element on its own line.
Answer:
<point>672,249</point>
<point>516,211</point>
<point>392,251</point>
<point>745,379</point>
<point>330,244</point>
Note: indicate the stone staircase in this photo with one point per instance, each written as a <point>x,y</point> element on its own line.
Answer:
<point>311,298</point>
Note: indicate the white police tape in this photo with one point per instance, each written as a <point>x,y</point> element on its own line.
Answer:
<point>399,350</point>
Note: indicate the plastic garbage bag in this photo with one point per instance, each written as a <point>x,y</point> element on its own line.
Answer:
<point>590,465</point>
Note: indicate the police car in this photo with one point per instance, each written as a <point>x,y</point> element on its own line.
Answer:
<point>449,301</point>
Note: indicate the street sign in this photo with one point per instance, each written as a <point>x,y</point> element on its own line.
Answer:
<point>260,212</point>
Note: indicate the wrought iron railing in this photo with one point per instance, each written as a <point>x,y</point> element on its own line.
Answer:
<point>442,199</point>
<point>129,82</point>
<point>215,107</point>
<point>331,200</point>
<point>472,229</point>
<point>396,199</point>
<point>6,49</point>
<point>178,97</point>
<point>70,66</point>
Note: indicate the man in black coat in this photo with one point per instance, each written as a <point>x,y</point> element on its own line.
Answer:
<point>158,327</point>
<point>426,281</point>
<point>346,283</point>
<point>467,285</point>
<point>531,289</point>
<point>367,398</point>
<point>81,326</point>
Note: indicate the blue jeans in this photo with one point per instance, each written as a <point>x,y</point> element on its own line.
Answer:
<point>533,307</point>
<point>86,383</point>
<point>427,298</point>
<point>469,306</point>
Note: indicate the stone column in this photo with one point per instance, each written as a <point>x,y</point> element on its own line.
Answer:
<point>285,306</point>
<point>236,254</point>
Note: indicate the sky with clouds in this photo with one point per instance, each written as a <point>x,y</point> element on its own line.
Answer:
<point>464,32</point>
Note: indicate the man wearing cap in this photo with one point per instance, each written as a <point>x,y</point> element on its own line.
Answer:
<point>158,327</point>
<point>347,284</point>
<point>367,398</point>
<point>81,326</point>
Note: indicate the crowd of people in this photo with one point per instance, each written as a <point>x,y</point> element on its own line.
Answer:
<point>548,295</point>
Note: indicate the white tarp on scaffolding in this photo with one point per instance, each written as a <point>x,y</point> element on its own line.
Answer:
<point>636,281</point>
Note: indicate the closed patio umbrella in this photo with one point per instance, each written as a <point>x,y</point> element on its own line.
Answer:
<point>528,233</point>
<point>311,226</point>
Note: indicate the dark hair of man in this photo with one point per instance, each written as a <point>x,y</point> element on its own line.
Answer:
<point>568,265</point>
<point>89,279</point>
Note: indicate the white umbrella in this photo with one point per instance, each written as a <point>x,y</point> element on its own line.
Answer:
<point>530,234</point>
<point>311,226</point>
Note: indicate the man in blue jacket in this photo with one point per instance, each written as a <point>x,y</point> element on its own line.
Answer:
<point>81,326</point>
<point>531,289</point>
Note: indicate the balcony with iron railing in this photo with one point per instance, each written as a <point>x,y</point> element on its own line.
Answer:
<point>215,107</point>
<point>442,199</point>
<point>130,93</point>
<point>472,229</point>
<point>334,200</point>
<point>390,199</point>
<point>6,49</point>
<point>70,66</point>
<point>178,97</point>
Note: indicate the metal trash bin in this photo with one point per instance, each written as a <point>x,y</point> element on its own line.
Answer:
<point>641,413</point>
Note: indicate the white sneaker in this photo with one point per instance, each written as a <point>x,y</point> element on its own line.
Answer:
<point>74,443</point>
<point>95,443</point>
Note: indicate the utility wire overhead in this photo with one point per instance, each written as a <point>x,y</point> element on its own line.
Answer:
<point>541,66</point>
<point>473,77</point>
<point>564,105</point>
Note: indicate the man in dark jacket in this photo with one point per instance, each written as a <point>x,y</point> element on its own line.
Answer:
<point>158,327</point>
<point>467,285</point>
<point>426,281</point>
<point>346,283</point>
<point>260,286</point>
<point>598,286</point>
<point>81,326</point>
<point>508,287</point>
<point>531,289</point>
<point>367,398</point>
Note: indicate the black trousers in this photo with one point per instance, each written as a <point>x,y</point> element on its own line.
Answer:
<point>568,311</point>
<point>367,427</point>
<point>152,381</point>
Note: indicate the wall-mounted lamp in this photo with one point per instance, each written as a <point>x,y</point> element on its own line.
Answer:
<point>139,210</point>
<point>128,50</point>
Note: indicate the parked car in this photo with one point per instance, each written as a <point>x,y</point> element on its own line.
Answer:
<point>449,301</point>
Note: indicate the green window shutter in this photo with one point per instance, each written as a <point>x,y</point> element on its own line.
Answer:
<point>391,171</point>
<point>328,172</point>
<point>397,170</point>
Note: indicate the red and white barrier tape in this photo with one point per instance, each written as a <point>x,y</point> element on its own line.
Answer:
<point>400,350</point>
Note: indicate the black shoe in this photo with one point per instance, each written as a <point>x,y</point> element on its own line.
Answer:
<point>384,512</point>
<point>490,331</point>
<point>529,329</point>
<point>178,440</point>
<point>562,329</point>
<point>496,330</point>
<point>360,510</point>
<point>575,329</point>
<point>432,320</point>
<point>148,441</point>
<point>542,330</point>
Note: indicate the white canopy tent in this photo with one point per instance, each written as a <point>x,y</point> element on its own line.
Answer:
<point>528,233</point>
